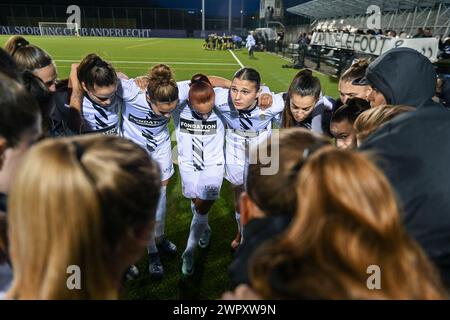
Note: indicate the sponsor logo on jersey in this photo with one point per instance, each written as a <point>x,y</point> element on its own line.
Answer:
<point>146,122</point>
<point>109,131</point>
<point>212,191</point>
<point>198,127</point>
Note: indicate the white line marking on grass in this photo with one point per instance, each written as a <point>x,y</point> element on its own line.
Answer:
<point>236,58</point>
<point>61,57</point>
<point>143,44</point>
<point>165,62</point>
<point>141,68</point>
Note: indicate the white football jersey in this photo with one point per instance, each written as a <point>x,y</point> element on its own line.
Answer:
<point>315,120</point>
<point>251,120</point>
<point>246,129</point>
<point>199,142</point>
<point>245,126</point>
<point>183,90</point>
<point>107,120</point>
<point>142,125</point>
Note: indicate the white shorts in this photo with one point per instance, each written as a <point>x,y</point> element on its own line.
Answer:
<point>163,156</point>
<point>235,174</point>
<point>203,184</point>
<point>236,156</point>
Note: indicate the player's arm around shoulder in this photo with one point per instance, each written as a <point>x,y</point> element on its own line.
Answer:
<point>219,82</point>
<point>76,97</point>
<point>265,100</point>
<point>128,90</point>
<point>277,105</point>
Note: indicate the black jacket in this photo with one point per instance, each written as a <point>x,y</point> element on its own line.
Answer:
<point>404,76</point>
<point>414,150</point>
<point>256,232</point>
<point>3,202</point>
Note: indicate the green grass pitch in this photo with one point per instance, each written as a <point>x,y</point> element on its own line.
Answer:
<point>135,57</point>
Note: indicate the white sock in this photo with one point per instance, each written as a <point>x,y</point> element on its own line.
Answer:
<point>193,210</point>
<point>198,224</point>
<point>161,213</point>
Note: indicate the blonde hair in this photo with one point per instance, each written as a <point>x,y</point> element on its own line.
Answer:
<point>275,193</point>
<point>27,56</point>
<point>370,120</point>
<point>356,71</point>
<point>347,220</point>
<point>73,203</point>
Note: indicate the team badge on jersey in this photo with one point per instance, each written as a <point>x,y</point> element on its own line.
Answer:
<point>262,116</point>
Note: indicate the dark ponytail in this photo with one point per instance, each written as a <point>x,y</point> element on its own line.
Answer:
<point>304,84</point>
<point>93,70</point>
<point>162,86</point>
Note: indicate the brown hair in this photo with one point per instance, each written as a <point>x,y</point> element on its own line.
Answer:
<point>18,110</point>
<point>75,201</point>
<point>19,113</point>
<point>347,220</point>
<point>162,86</point>
<point>351,110</point>
<point>93,70</point>
<point>273,193</point>
<point>303,84</point>
<point>372,119</point>
<point>201,90</point>
<point>26,55</point>
<point>356,71</point>
<point>8,65</point>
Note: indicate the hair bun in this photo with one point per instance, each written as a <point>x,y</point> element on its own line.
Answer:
<point>200,78</point>
<point>361,63</point>
<point>161,74</point>
<point>99,62</point>
<point>21,42</point>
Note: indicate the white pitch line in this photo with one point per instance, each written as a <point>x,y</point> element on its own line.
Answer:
<point>124,57</point>
<point>143,44</point>
<point>165,62</point>
<point>236,58</point>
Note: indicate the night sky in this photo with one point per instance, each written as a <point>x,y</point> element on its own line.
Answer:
<point>217,7</point>
<point>213,7</point>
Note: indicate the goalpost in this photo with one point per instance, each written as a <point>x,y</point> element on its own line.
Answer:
<point>59,29</point>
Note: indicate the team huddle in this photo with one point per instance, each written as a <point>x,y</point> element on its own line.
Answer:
<point>204,116</point>
<point>313,209</point>
<point>216,121</point>
<point>217,124</point>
